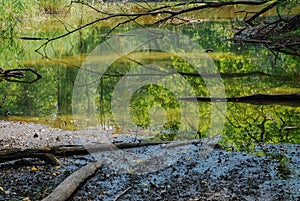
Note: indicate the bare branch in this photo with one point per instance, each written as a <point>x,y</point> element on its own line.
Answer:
<point>163,10</point>
<point>262,11</point>
<point>90,6</point>
<point>209,5</point>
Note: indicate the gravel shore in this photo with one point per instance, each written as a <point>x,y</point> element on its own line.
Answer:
<point>219,175</point>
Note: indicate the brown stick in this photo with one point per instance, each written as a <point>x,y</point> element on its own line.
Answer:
<point>66,188</point>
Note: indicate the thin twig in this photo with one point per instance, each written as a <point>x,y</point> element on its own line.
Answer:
<point>123,193</point>
<point>207,5</point>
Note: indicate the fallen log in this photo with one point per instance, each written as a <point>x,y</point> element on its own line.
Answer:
<point>48,154</point>
<point>256,99</point>
<point>66,188</point>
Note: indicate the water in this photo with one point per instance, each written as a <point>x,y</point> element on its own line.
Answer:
<point>154,108</point>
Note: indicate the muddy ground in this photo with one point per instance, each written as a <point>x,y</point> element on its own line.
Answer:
<point>162,172</point>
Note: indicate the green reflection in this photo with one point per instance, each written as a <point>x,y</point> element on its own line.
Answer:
<point>48,101</point>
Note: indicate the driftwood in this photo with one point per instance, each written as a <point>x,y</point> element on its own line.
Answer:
<point>48,154</point>
<point>65,189</point>
<point>256,99</point>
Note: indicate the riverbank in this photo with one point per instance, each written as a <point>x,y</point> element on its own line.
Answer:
<point>218,175</point>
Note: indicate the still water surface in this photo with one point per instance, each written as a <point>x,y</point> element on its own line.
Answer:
<point>49,100</point>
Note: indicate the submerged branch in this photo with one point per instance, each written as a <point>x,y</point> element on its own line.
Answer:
<point>216,75</point>
<point>256,99</point>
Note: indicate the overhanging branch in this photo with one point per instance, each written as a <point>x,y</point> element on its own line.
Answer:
<point>165,10</point>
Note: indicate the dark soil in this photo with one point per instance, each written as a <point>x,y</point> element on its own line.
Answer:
<point>271,173</point>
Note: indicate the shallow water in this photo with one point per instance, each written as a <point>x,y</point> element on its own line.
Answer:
<point>154,110</point>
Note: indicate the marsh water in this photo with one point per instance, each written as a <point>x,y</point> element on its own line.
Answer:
<point>245,69</point>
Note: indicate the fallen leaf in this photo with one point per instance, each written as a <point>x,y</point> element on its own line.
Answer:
<point>34,169</point>
<point>56,173</point>
<point>138,161</point>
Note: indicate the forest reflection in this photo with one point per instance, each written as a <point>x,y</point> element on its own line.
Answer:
<point>244,69</point>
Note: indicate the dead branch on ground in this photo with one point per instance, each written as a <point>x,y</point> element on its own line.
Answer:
<point>66,188</point>
<point>48,154</point>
